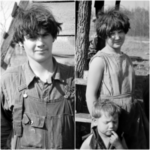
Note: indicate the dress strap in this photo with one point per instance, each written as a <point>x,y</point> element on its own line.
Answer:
<point>18,107</point>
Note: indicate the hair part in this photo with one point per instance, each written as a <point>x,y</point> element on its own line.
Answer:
<point>105,106</point>
<point>31,21</point>
<point>111,20</point>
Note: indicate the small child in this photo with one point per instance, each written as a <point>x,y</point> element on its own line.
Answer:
<point>104,136</point>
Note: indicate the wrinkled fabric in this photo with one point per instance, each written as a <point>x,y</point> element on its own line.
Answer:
<point>47,119</point>
<point>97,142</point>
<point>118,86</point>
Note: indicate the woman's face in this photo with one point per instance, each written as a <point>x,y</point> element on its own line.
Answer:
<point>116,39</point>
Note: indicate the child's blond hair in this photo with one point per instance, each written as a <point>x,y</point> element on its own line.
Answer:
<point>106,106</point>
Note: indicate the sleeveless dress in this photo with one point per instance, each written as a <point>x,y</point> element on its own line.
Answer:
<point>118,86</point>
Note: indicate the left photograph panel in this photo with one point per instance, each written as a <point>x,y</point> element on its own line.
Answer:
<point>37,40</point>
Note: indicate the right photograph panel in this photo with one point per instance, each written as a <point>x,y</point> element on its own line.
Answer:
<point>112,74</point>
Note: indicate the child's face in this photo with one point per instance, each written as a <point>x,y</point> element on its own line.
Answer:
<point>116,39</point>
<point>106,123</point>
<point>39,49</point>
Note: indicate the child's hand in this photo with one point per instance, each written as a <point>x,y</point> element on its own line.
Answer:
<point>115,141</point>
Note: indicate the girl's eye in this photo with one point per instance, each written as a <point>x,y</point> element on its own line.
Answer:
<point>46,34</point>
<point>30,37</point>
<point>121,31</point>
<point>112,34</point>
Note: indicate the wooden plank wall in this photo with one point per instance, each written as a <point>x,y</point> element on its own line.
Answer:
<point>64,46</point>
<point>5,47</point>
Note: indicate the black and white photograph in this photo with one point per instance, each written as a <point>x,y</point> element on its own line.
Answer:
<point>74,74</point>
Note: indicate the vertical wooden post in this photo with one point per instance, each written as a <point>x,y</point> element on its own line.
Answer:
<point>7,42</point>
<point>82,41</point>
<point>82,44</point>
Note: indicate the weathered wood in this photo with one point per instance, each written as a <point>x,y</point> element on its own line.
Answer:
<point>52,1</point>
<point>83,117</point>
<point>9,55</point>
<point>64,13</point>
<point>6,43</point>
<point>79,81</point>
<point>82,41</point>
<point>14,11</point>
<point>64,44</point>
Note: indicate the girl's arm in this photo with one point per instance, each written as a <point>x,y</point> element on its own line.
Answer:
<point>95,77</point>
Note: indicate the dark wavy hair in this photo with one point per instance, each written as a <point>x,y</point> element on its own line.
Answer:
<point>106,106</point>
<point>31,21</point>
<point>111,20</point>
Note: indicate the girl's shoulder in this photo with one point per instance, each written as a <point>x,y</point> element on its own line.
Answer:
<point>102,54</point>
<point>99,54</point>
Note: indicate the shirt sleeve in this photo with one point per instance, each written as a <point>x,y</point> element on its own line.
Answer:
<point>6,121</point>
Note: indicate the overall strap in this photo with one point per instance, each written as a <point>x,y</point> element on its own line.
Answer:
<point>96,141</point>
<point>18,106</point>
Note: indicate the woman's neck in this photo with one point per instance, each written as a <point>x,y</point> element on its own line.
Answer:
<point>111,50</point>
<point>43,70</point>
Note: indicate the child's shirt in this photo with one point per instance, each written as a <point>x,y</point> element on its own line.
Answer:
<point>97,142</point>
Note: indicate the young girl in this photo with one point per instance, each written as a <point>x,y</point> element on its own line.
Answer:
<point>111,76</point>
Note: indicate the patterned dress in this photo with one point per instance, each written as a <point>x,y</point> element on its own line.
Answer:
<point>118,86</point>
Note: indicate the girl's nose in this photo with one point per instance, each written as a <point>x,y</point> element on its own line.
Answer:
<point>117,36</point>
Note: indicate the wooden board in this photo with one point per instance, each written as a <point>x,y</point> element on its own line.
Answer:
<point>6,43</point>
<point>64,45</point>
<point>83,117</point>
<point>80,81</point>
<point>64,13</point>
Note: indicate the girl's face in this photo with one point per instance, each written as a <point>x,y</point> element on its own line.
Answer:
<point>39,49</point>
<point>106,123</point>
<point>116,39</point>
